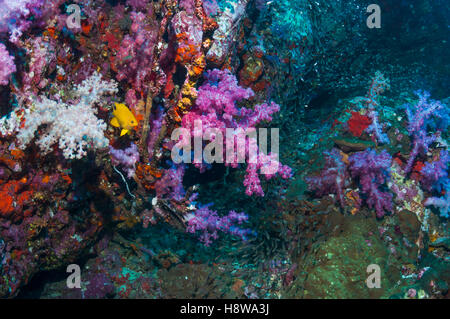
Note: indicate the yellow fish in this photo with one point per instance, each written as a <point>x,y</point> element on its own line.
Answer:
<point>123,118</point>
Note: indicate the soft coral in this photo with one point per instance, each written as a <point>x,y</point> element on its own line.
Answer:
<point>358,123</point>
<point>417,126</point>
<point>217,107</point>
<point>332,178</point>
<point>443,202</point>
<point>372,170</point>
<point>434,174</point>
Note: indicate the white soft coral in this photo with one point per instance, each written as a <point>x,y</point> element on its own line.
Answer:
<point>75,127</point>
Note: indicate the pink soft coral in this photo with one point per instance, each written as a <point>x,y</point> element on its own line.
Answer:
<point>7,65</point>
<point>216,108</point>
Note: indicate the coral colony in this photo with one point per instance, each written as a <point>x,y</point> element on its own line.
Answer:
<point>134,141</point>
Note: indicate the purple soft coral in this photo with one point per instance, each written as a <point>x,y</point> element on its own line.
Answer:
<point>216,108</point>
<point>135,54</point>
<point>171,184</point>
<point>211,7</point>
<point>332,178</point>
<point>417,126</point>
<point>372,171</point>
<point>220,93</point>
<point>443,202</point>
<point>375,127</point>
<point>156,122</point>
<point>126,157</point>
<point>435,177</point>
<point>14,16</point>
<point>435,173</point>
<point>209,223</point>
<point>7,65</point>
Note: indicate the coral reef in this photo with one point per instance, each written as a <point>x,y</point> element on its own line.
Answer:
<point>133,143</point>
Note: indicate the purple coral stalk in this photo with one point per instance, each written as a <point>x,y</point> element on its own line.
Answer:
<point>376,129</point>
<point>372,169</point>
<point>378,86</point>
<point>156,122</point>
<point>269,166</point>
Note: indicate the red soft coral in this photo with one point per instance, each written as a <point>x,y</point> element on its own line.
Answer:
<point>358,123</point>
<point>7,193</point>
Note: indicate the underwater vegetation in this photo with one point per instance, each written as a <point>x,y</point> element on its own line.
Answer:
<point>133,145</point>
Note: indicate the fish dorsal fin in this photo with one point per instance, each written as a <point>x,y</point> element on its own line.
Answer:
<point>120,106</point>
<point>115,122</point>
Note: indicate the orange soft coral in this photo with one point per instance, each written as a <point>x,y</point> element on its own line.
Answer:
<point>185,50</point>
